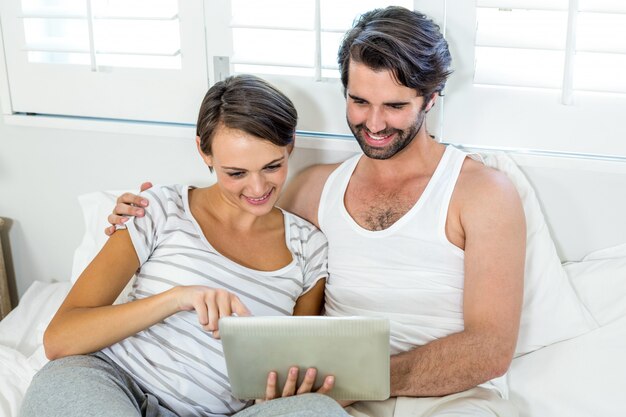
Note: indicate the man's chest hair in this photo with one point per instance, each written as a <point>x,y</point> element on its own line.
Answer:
<point>377,209</point>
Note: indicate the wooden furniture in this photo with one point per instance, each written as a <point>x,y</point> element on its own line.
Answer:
<point>5,298</point>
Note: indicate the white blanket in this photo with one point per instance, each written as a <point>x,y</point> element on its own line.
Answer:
<point>580,377</point>
<point>21,342</point>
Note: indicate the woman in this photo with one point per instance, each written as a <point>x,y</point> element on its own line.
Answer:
<point>199,254</point>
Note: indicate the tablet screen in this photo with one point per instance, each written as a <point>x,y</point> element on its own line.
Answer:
<point>353,349</point>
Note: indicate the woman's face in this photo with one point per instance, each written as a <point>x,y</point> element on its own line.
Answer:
<point>250,171</point>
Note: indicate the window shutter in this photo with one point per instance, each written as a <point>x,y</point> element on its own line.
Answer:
<point>543,43</point>
<point>600,62</point>
<point>537,74</point>
<point>520,47</point>
<point>296,50</point>
<point>141,60</point>
<point>301,40</point>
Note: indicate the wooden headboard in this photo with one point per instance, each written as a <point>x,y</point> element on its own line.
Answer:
<point>5,299</point>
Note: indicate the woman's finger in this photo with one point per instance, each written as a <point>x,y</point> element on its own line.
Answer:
<point>222,299</point>
<point>211,305</point>
<point>270,388</point>
<point>238,307</point>
<point>327,386</point>
<point>308,381</point>
<point>202,312</point>
<point>292,380</point>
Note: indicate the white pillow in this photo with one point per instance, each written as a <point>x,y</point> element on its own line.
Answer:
<point>600,281</point>
<point>552,311</point>
<point>580,377</point>
<point>96,208</point>
<point>583,376</point>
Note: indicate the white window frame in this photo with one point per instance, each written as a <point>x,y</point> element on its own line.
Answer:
<point>319,100</point>
<point>528,118</point>
<point>473,115</point>
<point>167,95</point>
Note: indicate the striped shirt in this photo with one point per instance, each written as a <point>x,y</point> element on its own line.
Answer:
<point>176,359</point>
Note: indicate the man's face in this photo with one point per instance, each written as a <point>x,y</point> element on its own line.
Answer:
<point>383,115</point>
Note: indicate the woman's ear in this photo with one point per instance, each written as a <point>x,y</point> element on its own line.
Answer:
<point>208,159</point>
<point>291,145</point>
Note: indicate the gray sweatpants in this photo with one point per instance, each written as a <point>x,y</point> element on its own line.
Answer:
<point>94,386</point>
<point>305,405</point>
<point>88,386</point>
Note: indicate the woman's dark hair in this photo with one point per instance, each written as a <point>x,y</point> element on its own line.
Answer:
<point>405,42</point>
<point>250,104</point>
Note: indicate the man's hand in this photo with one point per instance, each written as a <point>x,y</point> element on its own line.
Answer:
<point>127,204</point>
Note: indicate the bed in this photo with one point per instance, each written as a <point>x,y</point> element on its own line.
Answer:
<point>570,360</point>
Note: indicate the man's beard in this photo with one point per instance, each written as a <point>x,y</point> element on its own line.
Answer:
<point>401,141</point>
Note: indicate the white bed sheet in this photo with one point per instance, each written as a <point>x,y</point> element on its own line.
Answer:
<point>580,377</point>
<point>21,341</point>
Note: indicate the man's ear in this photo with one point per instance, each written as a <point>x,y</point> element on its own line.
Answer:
<point>431,102</point>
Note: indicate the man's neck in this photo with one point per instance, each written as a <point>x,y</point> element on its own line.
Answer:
<point>420,157</point>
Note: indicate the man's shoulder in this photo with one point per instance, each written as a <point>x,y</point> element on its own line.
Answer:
<point>484,189</point>
<point>477,178</point>
<point>302,195</point>
<point>317,173</point>
<point>484,201</point>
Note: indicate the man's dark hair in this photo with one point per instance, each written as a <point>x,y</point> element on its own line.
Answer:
<point>407,43</point>
<point>249,104</point>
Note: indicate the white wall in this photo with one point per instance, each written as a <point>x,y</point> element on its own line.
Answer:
<point>43,170</point>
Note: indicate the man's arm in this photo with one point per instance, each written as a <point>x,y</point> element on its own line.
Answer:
<point>302,194</point>
<point>492,224</point>
<point>301,197</point>
<point>127,204</point>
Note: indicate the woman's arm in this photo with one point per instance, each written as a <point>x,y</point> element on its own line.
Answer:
<point>87,321</point>
<point>311,303</point>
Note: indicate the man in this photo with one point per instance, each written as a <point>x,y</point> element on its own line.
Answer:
<point>417,232</point>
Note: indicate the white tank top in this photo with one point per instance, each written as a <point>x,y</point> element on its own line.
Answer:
<point>409,272</point>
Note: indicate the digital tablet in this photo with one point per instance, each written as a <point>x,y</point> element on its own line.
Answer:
<point>355,350</point>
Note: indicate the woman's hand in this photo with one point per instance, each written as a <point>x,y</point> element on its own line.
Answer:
<point>210,305</point>
<point>291,388</point>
